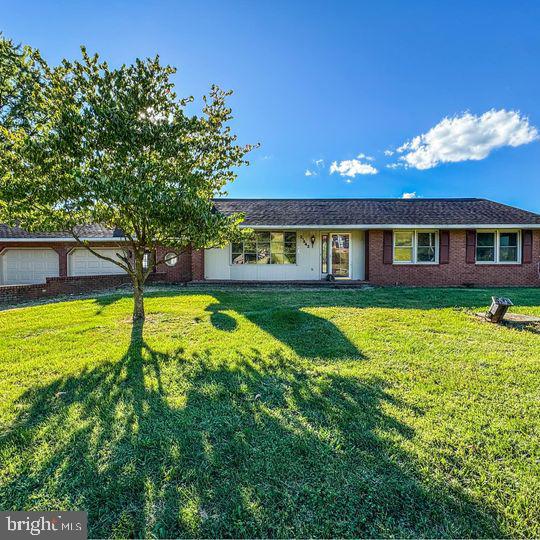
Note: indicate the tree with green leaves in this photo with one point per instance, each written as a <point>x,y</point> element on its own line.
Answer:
<point>117,147</point>
<point>23,75</point>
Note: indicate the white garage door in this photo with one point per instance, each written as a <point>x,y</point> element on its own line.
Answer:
<point>24,266</point>
<point>84,263</point>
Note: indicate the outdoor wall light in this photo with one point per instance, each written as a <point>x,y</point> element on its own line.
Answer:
<point>312,240</point>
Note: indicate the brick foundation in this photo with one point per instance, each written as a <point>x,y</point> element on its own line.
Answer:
<point>456,272</point>
<point>58,286</point>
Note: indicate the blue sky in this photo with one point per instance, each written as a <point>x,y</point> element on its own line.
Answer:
<point>334,80</point>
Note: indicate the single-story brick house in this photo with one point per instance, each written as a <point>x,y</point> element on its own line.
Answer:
<point>437,242</point>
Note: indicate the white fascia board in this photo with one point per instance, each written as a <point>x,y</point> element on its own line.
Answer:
<point>400,226</point>
<point>69,239</point>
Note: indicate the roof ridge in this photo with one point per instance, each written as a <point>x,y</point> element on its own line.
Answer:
<point>393,199</point>
<point>465,211</point>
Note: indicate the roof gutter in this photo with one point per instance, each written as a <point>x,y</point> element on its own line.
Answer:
<point>68,239</point>
<point>401,226</point>
<point>296,227</point>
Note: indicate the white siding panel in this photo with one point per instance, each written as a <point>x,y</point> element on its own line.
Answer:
<point>217,262</point>
<point>358,263</point>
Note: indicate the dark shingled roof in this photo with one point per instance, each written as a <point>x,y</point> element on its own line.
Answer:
<point>298,212</point>
<point>85,231</point>
<point>274,212</point>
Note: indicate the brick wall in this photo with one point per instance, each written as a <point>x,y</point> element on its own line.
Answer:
<point>67,285</point>
<point>190,266</point>
<point>57,286</point>
<point>456,272</point>
<point>181,271</point>
<point>197,265</point>
<point>62,260</point>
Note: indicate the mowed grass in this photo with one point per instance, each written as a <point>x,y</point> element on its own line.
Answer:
<point>275,413</point>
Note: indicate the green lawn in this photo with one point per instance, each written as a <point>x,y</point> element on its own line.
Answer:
<point>380,413</point>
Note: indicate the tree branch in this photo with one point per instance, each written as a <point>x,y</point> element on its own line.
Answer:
<point>84,244</point>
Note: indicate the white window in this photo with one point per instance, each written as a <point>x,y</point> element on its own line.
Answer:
<point>498,247</point>
<point>266,247</point>
<point>485,246</point>
<point>416,247</point>
<point>148,260</point>
<point>403,246</point>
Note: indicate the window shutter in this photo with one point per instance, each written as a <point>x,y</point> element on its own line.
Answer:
<point>471,247</point>
<point>444,247</point>
<point>387,247</point>
<point>526,251</point>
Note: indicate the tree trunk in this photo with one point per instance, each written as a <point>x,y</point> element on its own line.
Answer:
<point>138,289</point>
<point>138,301</point>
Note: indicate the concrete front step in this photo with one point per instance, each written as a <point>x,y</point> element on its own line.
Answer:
<point>344,284</point>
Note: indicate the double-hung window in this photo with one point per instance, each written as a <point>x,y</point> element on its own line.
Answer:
<point>485,246</point>
<point>499,247</point>
<point>416,247</point>
<point>266,247</point>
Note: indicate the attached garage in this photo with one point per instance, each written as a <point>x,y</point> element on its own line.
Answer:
<point>82,262</point>
<point>24,266</point>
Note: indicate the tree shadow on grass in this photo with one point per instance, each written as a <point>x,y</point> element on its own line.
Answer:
<point>307,334</point>
<point>163,445</point>
<point>103,301</point>
<point>289,315</point>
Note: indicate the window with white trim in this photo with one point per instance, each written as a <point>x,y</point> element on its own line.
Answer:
<point>416,247</point>
<point>266,247</point>
<point>498,247</point>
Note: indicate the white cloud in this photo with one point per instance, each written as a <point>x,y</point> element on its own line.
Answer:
<point>467,137</point>
<point>388,153</point>
<point>352,167</point>
<point>319,162</point>
<point>411,195</point>
<point>395,165</point>
<point>366,157</point>
<point>310,173</point>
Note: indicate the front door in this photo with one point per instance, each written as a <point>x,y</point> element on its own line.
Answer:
<point>339,260</point>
